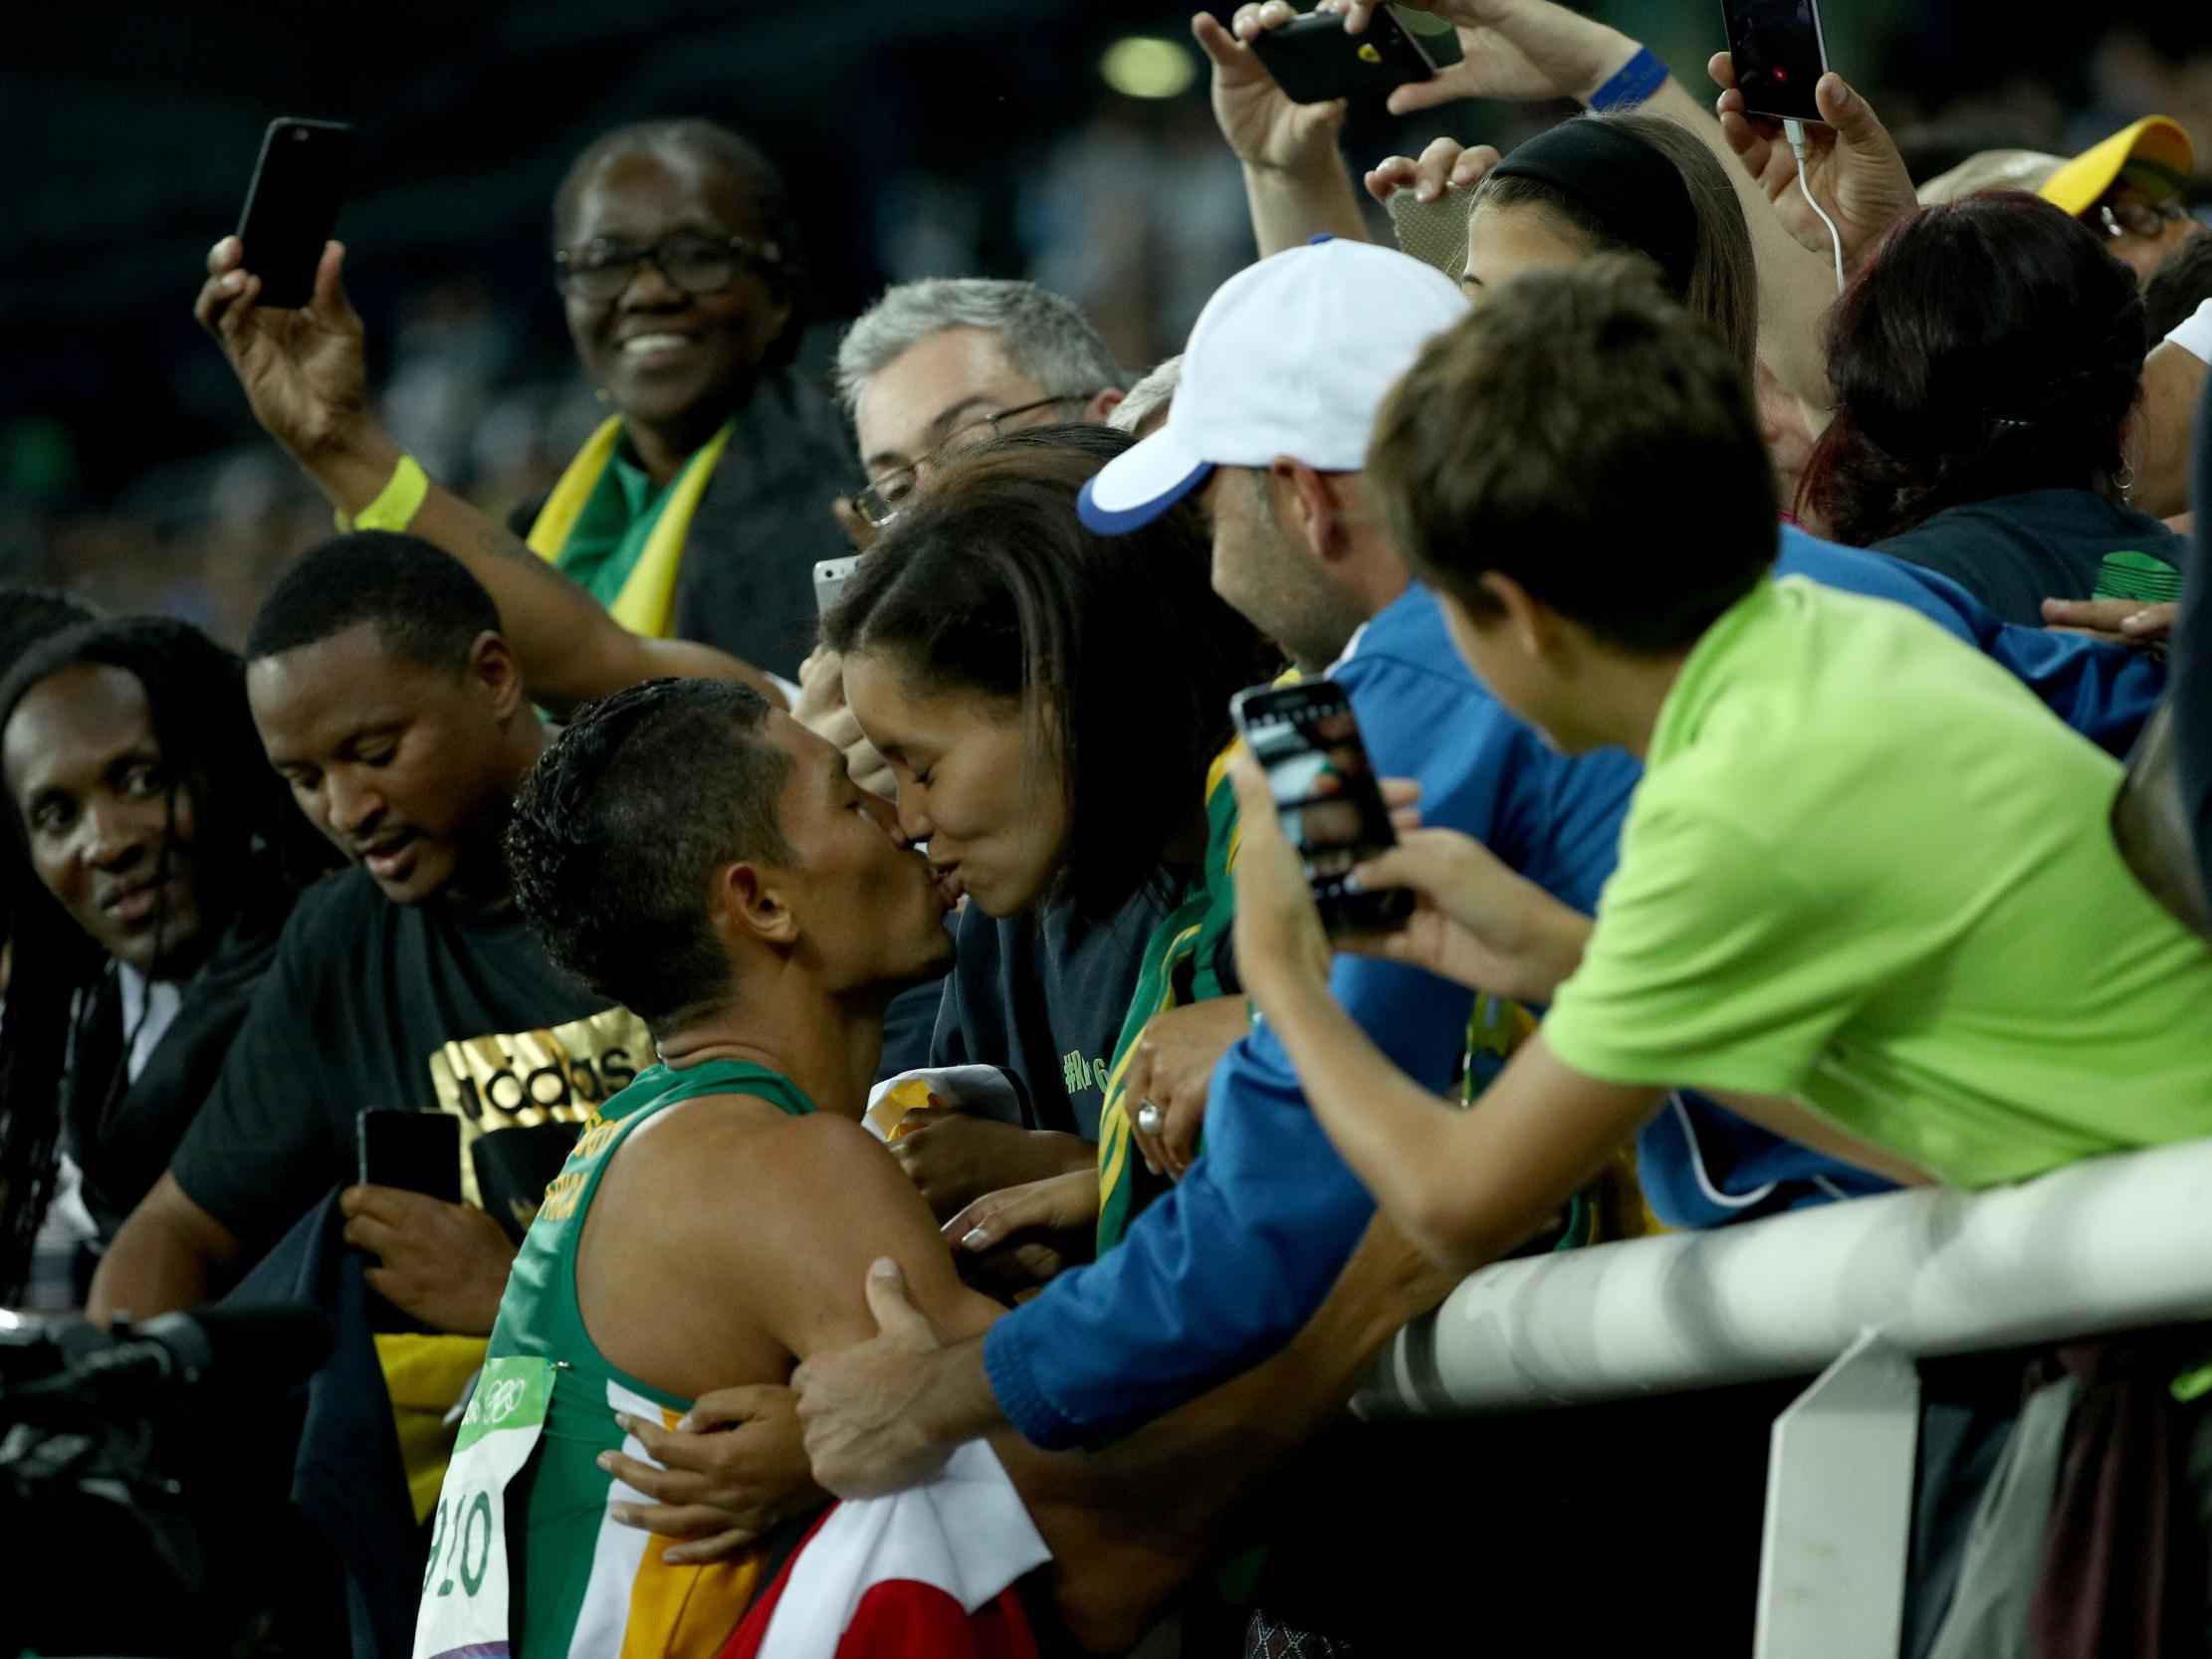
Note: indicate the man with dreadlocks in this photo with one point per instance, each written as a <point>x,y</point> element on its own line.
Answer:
<point>151,860</point>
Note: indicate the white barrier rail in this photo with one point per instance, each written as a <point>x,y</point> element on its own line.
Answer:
<point>1853,1290</point>
<point>2112,1244</point>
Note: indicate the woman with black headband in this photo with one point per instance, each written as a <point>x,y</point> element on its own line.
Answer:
<point>1624,183</point>
<point>1600,195</point>
<point>151,860</point>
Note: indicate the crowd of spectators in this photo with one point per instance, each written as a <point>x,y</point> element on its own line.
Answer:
<point>911,1165</point>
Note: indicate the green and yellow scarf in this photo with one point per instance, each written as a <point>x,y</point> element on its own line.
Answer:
<point>648,551</point>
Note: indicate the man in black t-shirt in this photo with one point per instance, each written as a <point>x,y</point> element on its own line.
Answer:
<point>387,699</point>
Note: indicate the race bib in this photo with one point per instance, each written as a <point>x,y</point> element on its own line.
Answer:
<point>464,1594</point>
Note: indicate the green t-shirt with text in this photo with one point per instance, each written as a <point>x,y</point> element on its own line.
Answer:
<point>1867,870</point>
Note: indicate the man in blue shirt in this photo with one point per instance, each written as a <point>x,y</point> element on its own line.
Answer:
<point>1280,385</point>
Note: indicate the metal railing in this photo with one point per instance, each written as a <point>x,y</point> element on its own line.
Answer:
<point>1854,1291</point>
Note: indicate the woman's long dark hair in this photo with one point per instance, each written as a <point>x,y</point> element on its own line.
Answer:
<point>1991,346</point>
<point>252,848</point>
<point>1116,644</point>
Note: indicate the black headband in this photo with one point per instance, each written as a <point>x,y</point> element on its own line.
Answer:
<point>1628,186</point>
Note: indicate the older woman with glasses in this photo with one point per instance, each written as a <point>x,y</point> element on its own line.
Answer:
<point>701,505</point>
<point>697,511</point>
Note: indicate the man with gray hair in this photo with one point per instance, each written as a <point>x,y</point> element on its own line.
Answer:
<point>935,366</point>
<point>931,368</point>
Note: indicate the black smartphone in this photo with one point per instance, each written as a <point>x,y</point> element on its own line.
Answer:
<point>1308,742</point>
<point>292,205</point>
<point>1313,60</point>
<point>1779,54</point>
<point>415,1152</point>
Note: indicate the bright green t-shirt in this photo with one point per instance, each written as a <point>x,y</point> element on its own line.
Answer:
<point>1867,870</point>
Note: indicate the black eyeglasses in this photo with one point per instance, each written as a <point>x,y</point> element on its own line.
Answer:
<point>879,503</point>
<point>601,268</point>
<point>2145,219</point>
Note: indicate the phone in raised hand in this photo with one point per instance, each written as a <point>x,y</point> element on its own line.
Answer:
<point>1313,60</point>
<point>1306,740</point>
<point>292,205</point>
<point>1780,55</point>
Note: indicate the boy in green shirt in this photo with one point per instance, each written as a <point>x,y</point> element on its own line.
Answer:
<point>1867,896</point>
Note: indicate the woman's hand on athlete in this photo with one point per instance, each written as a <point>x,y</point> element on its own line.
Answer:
<point>1010,1240</point>
<point>732,1469</point>
<point>955,1156</point>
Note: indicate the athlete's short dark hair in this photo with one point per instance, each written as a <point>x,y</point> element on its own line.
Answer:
<point>623,825</point>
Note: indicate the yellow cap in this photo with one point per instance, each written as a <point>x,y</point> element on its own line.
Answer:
<point>2154,155</point>
<point>1990,169</point>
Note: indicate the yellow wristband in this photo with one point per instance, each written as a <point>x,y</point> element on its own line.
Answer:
<point>396,505</point>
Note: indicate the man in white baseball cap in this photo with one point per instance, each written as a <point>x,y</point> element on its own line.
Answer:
<point>1285,371</point>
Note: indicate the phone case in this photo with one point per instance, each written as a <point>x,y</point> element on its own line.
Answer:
<point>1313,60</point>
<point>1344,909</point>
<point>830,577</point>
<point>415,1152</point>
<point>292,206</point>
<point>1435,233</point>
<point>1768,41</point>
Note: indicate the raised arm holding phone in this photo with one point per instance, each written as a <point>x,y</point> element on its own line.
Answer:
<point>306,378</point>
<point>1523,50</point>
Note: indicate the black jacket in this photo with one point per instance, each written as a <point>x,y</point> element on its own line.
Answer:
<point>123,1139</point>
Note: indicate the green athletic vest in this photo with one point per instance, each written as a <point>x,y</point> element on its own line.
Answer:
<point>588,1585</point>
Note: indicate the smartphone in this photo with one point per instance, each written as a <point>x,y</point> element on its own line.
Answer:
<point>1313,60</point>
<point>1780,55</point>
<point>292,205</point>
<point>415,1152</point>
<point>830,576</point>
<point>1305,739</point>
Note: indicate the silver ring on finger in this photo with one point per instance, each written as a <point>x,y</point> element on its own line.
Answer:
<point>1150,1120</point>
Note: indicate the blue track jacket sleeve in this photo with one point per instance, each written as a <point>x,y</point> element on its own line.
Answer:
<point>1221,1271</point>
<point>2105,692</point>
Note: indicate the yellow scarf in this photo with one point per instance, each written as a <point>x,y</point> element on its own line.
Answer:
<point>647,603</point>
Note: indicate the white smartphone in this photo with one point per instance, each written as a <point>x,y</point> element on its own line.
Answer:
<point>830,576</point>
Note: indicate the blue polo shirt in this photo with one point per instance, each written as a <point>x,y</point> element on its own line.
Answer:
<point>1217,1275</point>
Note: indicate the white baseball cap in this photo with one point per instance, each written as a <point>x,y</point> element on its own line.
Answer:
<point>1291,357</point>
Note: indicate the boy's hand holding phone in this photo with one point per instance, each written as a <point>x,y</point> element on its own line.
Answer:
<point>1281,949</point>
<point>1477,921</point>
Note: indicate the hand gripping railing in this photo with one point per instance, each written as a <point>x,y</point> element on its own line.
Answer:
<point>1855,1289</point>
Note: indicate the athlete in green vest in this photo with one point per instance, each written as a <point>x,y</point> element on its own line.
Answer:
<point>718,1220</point>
